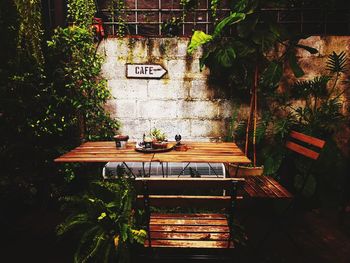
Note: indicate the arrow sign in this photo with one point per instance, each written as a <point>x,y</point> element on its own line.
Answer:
<point>145,71</point>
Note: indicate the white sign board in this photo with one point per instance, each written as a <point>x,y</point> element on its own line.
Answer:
<point>145,71</point>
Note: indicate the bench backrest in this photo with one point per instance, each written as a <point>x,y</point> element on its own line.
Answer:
<point>184,192</point>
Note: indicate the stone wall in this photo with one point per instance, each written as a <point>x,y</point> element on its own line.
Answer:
<point>182,101</point>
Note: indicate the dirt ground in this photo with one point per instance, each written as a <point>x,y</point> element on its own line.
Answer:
<point>317,236</point>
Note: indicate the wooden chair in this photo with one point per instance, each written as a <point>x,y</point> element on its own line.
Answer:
<point>265,188</point>
<point>188,230</point>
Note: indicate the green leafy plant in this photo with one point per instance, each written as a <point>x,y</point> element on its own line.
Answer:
<point>243,62</point>
<point>158,135</point>
<point>104,221</point>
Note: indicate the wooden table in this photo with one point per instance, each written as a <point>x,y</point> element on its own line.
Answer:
<point>198,152</point>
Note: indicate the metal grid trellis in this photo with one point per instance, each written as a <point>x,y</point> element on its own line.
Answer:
<point>149,17</point>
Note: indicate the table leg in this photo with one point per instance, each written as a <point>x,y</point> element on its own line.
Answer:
<point>130,170</point>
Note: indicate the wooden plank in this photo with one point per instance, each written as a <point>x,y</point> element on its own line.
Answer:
<point>105,151</point>
<point>190,236</point>
<point>161,184</point>
<point>307,139</point>
<point>189,222</point>
<point>265,187</point>
<point>190,229</point>
<point>286,193</point>
<point>192,216</point>
<point>186,201</point>
<point>190,244</point>
<point>302,150</point>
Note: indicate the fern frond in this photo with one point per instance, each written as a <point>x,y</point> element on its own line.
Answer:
<point>71,223</point>
<point>337,63</point>
<point>87,236</point>
<point>97,244</point>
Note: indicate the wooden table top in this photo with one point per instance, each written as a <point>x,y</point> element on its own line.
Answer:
<point>197,152</point>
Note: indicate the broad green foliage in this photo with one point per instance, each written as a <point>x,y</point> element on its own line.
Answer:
<point>232,60</point>
<point>198,39</point>
<point>103,220</point>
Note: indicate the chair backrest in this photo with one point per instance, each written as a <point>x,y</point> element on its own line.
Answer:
<point>187,192</point>
<point>305,145</point>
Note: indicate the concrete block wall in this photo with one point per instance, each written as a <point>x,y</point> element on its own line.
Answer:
<point>182,101</point>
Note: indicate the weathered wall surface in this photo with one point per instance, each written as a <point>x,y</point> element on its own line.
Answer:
<point>182,101</point>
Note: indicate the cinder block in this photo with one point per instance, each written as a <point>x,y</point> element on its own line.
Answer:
<point>200,90</point>
<point>166,89</point>
<point>157,109</point>
<point>225,109</point>
<point>115,47</point>
<point>128,89</point>
<point>135,128</point>
<point>173,126</point>
<point>176,69</point>
<point>182,48</point>
<point>198,109</point>
<point>208,128</point>
<point>126,108</point>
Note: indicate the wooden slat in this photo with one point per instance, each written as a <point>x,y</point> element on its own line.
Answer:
<point>307,139</point>
<point>186,201</point>
<point>155,184</point>
<point>302,150</point>
<point>192,216</point>
<point>190,244</point>
<point>105,151</point>
<point>285,192</point>
<point>190,229</point>
<point>188,222</point>
<point>190,236</point>
<point>264,187</point>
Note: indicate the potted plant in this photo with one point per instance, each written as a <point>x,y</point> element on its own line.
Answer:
<point>159,139</point>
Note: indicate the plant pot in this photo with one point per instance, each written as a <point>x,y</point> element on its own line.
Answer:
<point>121,141</point>
<point>159,145</point>
<point>244,170</point>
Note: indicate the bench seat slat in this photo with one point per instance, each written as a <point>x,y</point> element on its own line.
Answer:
<point>189,229</point>
<point>192,216</point>
<point>189,222</point>
<point>190,244</point>
<point>190,236</point>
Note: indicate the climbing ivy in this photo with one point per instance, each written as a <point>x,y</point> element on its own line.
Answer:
<point>30,32</point>
<point>81,12</point>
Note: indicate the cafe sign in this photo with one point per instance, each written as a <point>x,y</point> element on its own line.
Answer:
<point>145,71</point>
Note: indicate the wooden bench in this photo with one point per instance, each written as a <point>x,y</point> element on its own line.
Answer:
<point>188,230</point>
<point>267,187</point>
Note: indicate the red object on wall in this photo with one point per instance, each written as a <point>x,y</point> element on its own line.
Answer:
<point>98,27</point>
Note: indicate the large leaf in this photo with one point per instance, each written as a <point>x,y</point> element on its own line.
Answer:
<point>246,27</point>
<point>265,39</point>
<point>336,63</point>
<point>230,20</point>
<point>272,74</point>
<point>311,50</point>
<point>198,39</point>
<point>293,63</point>
<point>225,56</point>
